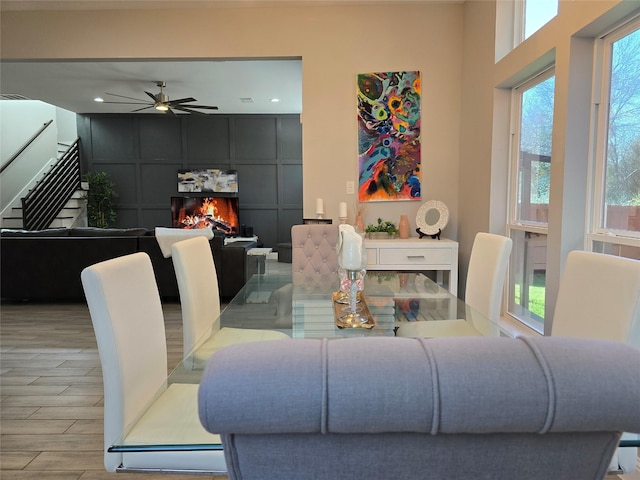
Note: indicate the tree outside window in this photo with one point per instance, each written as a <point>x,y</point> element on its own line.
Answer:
<point>530,200</point>
<point>622,170</point>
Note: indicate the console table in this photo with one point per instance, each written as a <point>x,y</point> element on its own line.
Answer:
<point>415,254</point>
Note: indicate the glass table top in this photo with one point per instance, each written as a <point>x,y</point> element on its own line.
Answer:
<point>306,310</point>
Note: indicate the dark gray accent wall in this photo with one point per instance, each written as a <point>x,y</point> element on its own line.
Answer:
<point>142,154</point>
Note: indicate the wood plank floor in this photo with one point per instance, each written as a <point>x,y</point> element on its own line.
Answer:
<point>51,394</point>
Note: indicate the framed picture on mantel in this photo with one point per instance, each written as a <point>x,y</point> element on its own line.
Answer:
<point>209,180</point>
<point>389,136</point>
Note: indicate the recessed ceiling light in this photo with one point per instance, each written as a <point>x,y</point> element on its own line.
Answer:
<point>246,99</point>
<point>98,99</point>
<point>275,100</point>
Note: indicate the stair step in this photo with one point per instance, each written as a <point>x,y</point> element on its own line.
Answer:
<point>12,223</point>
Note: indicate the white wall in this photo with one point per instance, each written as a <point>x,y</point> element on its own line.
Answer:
<point>465,132</point>
<point>67,126</point>
<point>19,121</point>
<point>335,44</point>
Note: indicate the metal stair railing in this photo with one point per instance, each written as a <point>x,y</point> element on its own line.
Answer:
<point>24,147</point>
<point>43,203</point>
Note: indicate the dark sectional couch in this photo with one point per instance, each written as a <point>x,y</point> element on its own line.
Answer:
<point>45,265</point>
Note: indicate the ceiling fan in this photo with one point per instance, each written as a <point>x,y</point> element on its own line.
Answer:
<point>162,103</point>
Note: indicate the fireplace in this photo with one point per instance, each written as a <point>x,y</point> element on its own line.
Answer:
<point>218,213</point>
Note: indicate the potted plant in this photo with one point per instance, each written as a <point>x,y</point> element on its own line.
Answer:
<point>100,200</point>
<point>381,230</point>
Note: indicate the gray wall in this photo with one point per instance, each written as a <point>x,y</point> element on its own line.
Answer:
<point>142,154</point>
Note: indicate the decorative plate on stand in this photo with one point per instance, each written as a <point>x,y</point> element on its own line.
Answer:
<point>431,219</point>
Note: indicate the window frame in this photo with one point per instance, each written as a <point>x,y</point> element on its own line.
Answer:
<point>514,153</point>
<point>514,224</point>
<point>597,232</point>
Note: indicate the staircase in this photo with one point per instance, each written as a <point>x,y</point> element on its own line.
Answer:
<point>57,200</point>
<point>73,214</point>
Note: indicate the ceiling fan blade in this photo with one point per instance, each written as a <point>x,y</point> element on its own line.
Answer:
<point>171,112</point>
<point>181,100</point>
<point>124,96</point>
<point>183,108</point>
<point>155,99</point>
<point>208,107</point>
<point>143,108</point>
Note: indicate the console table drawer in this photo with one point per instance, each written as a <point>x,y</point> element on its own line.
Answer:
<point>414,256</point>
<point>372,256</point>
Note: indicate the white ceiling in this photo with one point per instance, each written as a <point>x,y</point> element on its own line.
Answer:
<point>74,85</point>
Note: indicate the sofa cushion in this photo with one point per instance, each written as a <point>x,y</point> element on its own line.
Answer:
<point>49,232</point>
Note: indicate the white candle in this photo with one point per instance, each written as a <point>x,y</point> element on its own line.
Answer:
<point>342,228</point>
<point>343,210</point>
<point>319,205</point>
<point>351,251</point>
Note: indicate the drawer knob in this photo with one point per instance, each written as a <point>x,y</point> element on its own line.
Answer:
<point>415,256</point>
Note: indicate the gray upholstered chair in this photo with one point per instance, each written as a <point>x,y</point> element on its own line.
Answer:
<point>314,264</point>
<point>485,282</point>
<point>127,317</point>
<point>599,297</point>
<point>445,408</point>
<point>200,304</point>
<point>314,257</point>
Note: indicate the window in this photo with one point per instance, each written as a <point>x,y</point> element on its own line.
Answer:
<point>517,20</point>
<point>616,195</point>
<point>529,198</point>
<point>537,13</point>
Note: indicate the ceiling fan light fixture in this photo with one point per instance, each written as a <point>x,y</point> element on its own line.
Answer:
<point>163,107</point>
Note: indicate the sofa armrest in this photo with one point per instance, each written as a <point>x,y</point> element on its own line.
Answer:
<point>470,385</point>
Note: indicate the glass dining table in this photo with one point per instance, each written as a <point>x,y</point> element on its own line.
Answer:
<point>306,309</point>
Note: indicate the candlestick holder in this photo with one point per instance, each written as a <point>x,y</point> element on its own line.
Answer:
<point>353,317</point>
<point>342,296</point>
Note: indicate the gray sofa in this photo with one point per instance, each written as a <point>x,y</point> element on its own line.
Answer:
<point>445,408</point>
<point>45,265</point>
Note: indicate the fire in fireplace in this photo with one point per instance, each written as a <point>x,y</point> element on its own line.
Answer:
<point>218,213</point>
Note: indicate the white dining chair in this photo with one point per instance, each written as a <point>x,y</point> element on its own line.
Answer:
<point>599,297</point>
<point>128,321</point>
<point>483,294</point>
<point>200,304</point>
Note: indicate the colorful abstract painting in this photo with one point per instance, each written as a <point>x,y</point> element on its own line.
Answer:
<point>389,136</point>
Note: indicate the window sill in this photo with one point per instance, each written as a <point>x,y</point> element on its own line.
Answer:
<point>515,328</point>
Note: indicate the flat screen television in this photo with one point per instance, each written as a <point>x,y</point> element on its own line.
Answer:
<point>216,212</point>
